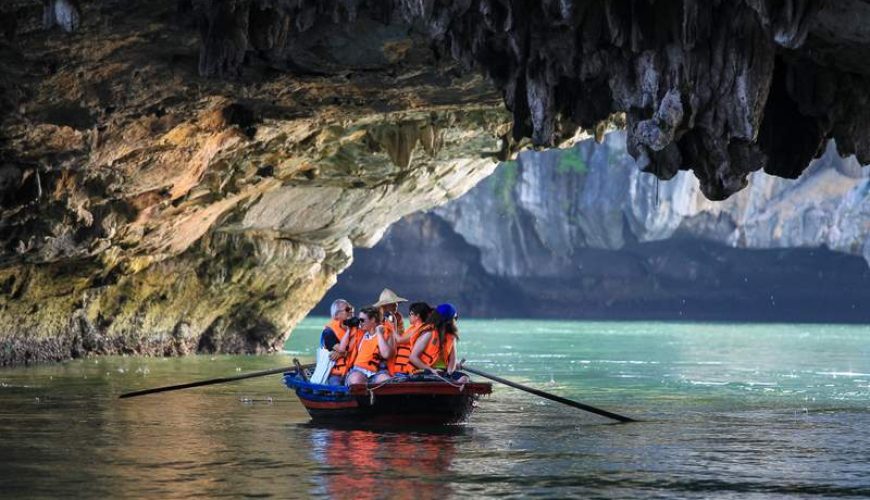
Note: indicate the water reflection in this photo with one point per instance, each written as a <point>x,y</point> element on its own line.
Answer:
<point>370,463</point>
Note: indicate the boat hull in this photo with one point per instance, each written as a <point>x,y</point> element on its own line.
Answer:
<point>423,402</point>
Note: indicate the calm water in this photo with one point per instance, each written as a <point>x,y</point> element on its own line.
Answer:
<point>729,411</point>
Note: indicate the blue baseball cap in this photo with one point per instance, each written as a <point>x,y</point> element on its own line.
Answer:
<point>446,310</point>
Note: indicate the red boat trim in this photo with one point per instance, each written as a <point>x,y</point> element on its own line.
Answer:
<point>421,389</point>
<point>329,405</point>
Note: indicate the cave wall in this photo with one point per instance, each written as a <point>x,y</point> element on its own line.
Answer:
<point>148,209</point>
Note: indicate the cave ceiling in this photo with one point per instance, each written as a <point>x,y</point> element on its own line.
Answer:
<point>723,88</point>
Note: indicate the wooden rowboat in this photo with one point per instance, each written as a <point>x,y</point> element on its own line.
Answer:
<point>414,402</point>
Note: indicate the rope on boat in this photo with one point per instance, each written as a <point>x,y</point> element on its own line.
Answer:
<point>373,389</point>
<point>449,382</point>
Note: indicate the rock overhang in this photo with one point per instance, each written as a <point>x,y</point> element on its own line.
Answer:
<point>147,209</point>
<point>720,88</point>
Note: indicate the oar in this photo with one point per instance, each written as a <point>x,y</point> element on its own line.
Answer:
<point>546,395</point>
<point>212,381</point>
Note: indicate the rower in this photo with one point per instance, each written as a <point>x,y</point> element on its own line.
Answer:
<point>444,320</point>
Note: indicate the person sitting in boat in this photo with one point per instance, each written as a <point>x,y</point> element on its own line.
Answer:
<point>418,315</point>
<point>443,320</point>
<point>372,352</point>
<point>388,306</point>
<point>340,336</point>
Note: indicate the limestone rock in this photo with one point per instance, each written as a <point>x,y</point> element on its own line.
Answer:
<point>593,196</point>
<point>148,210</point>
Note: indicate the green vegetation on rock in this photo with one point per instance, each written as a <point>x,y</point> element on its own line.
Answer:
<point>571,161</point>
<point>504,180</point>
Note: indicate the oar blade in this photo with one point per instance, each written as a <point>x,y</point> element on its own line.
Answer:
<point>547,395</point>
<point>213,381</point>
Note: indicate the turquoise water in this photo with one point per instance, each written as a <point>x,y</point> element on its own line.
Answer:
<point>737,411</point>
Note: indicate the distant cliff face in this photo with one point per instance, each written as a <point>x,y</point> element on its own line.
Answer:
<point>582,233</point>
<point>593,196</point>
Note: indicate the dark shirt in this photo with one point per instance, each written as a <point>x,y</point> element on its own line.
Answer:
<point>328,339</point>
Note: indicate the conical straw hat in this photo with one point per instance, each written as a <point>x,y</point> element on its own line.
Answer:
<point>388,297</point>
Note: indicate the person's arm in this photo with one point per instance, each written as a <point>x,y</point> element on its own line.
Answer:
<point>392,339</point>
<point>400,323</point>
<point>417,350</point>
<point>342,346</point>
<point>337,349</point>
<point>328,339</point>
<point>451,360</point>
<point>405,338</point>
<point>384,347</point>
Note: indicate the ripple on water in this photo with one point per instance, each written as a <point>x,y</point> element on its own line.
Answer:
<point>734,411</point>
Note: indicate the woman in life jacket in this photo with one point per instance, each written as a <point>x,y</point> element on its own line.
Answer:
<point>418,314</point>
<point>443,320</point>
<point>373,350</point>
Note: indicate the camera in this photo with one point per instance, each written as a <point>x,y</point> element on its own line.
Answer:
<point>352,322</point>
<point>389,316</point>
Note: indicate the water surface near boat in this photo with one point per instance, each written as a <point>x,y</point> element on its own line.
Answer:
<point>728,410</point>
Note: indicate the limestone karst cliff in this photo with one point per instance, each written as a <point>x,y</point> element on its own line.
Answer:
<point>584,234</point>
<point>192,174</point>
<point>592,196</point>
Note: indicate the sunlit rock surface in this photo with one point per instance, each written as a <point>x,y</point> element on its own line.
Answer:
<point>583,234</point>
<point>146,209</point>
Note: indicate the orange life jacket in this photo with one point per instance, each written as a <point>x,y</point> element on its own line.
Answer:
<point>399,360</point>
<point>430,353</point>
<point>449,343</point>
<point>343,363</point>
<point>368,354</point>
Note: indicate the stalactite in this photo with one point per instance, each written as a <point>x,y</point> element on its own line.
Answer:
<point>695,78</point>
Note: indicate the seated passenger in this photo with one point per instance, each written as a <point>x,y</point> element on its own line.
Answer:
<point>426,351</point>
<point>443,320</point>
<point>372,351</point>
<point>341,339</point>
<point>418,314</point>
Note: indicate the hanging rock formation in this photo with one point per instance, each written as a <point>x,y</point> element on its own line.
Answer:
<point>723,88</point>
